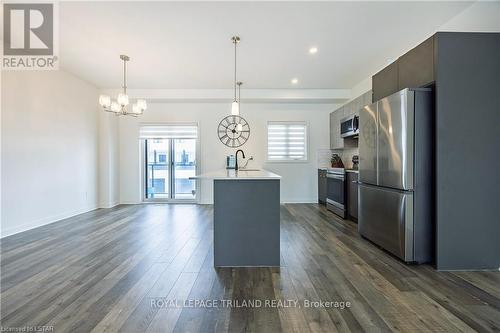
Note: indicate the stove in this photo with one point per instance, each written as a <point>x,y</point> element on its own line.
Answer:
<point>336,191</point>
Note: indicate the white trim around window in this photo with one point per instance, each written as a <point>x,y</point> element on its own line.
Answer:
<point>287,142</point>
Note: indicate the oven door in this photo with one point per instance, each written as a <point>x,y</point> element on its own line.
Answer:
<point>335,195</point>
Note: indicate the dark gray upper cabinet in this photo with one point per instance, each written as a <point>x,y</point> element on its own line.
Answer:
<point>367,98</point>
<point>416,67</point>
<point>333,130</point>
<point>385,82</point>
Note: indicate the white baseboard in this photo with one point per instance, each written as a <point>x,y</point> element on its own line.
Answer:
<point>284,201</point>
<point>108,204</point>
<point>44,221</point>
<point>300,200</point>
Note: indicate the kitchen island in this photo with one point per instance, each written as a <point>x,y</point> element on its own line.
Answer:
<point>246,218</point>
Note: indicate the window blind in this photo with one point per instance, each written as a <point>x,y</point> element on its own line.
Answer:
<point>286,141</point>
<point>173,131</point>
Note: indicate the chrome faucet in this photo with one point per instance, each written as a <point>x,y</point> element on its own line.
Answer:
<point>246,163</point>
<point>236,157</point>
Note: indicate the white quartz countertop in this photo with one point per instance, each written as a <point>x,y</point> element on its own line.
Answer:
<point>237,175</point>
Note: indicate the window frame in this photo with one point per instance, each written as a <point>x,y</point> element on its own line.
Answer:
<point>306,137</point>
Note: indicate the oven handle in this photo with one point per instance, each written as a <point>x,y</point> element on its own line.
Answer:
<point>335,176</point>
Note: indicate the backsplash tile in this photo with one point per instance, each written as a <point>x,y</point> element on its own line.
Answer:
<point>346,155</point>
<point>323,156</point>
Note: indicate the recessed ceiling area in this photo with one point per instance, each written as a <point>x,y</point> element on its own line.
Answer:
<point>186,45</point>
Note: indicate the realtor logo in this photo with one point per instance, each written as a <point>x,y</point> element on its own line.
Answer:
<point>28,36</point>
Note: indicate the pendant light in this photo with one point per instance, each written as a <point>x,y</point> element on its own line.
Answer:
<point>235,107</point>
<point>239,127</point>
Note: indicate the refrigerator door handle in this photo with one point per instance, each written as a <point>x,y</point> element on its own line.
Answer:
<point>392,189</point>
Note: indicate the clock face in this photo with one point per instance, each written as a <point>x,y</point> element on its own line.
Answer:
<point>230,135</point>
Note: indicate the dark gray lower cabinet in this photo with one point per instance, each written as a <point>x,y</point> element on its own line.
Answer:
<point>352,195</point>
<point>321,186</point>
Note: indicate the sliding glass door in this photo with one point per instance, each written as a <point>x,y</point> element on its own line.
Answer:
<point>184,153</point>
<point>157,160</point>
<point>169,163</point>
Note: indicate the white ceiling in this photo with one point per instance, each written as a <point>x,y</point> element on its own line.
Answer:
<point>186,45</point>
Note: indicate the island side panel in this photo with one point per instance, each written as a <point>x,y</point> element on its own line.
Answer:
<point>246,222</point>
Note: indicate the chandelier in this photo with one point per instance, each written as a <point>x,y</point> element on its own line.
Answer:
<point>119,107</point>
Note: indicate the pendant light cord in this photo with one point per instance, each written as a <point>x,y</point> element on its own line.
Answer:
<point>235,42</point>
<point>125,77</point>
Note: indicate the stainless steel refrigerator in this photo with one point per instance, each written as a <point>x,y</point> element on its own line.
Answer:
<point>396,174</point>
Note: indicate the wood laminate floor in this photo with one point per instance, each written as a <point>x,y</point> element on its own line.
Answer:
<point>110,270</point>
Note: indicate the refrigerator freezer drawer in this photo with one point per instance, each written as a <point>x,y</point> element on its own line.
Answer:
<point>386,218</point>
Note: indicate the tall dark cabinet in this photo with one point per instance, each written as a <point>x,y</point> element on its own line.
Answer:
<point>464,70</point>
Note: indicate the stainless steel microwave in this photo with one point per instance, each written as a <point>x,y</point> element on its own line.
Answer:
<point>349,126</point>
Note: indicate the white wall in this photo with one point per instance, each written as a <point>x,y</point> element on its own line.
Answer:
<point>109,168</point>
<point>482,16</point>
<point>299,182</point>
<point>361,87</point>
<point>49,148</point>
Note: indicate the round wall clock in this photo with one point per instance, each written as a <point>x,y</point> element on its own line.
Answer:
<point>231,134</point>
